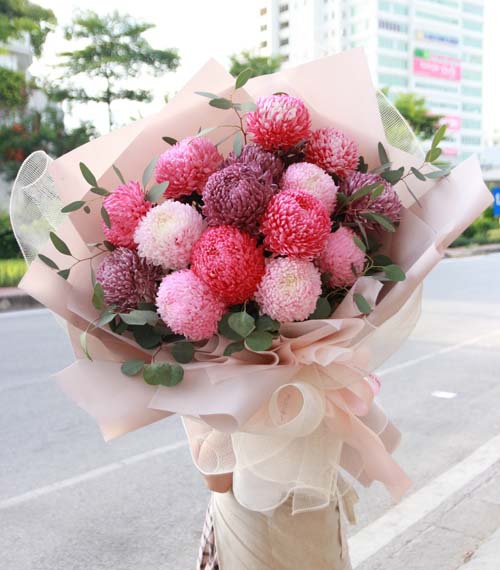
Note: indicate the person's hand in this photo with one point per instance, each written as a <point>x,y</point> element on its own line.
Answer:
<point>219,483</point>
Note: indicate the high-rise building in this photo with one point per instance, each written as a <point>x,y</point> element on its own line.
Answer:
<point>430,47</point>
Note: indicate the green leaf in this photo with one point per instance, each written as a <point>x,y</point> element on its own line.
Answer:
<point>382,220</point>
<point>137,317</point>
<point>207,94</point>
<point>98,297</point>
<point>170,140</point>
<point>86,209</point>
<point>83,344</point>
<point>73,206</point>
<point>265,323</point>
<point>242,78</point>
<point>87,174</point>
<point>48,261</point>
<point>382,154</point>
<point>106,317</point>
<point>105,216</point>
<point>146,336</point>
<point>206,131</point>
<point>100,191</point>
<point>238,144</point>
<point>417,173</point>
<point>163,374</point>
<point>435,174</point>
<point>393,176</point>
<point>323,309</point>
<point>220,103</point>
<point>226,330</point>
<point>377,192</point>
<point>108,245</point>
<point>381,168</point>
<point>342,199</point>
<point>362,165</point>
<point>439,136</point>
<point>359,243</point>
<point>132,367</point>
<point>259,340</point>
<point>183,351</point>
<point>234,347</point>
<point>381,260</point>
<point>242,323</point>
<point>146,306</point>
<point>156,192</point>
<point>433,154</point>
<point>394,272</point>
<point>148,172</point>
<point>246,106</point>
<point>362,304</point>
<point>64,273</point>
<point>119,174</point>
<point>59,244</point>
<point>363,191</point>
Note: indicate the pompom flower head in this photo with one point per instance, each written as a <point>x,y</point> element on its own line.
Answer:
<point>342,259</point>
<point>126,206</point>
<point>265,164</point>
<point>289,289</point>
<point>388,203</point>
<point>333,151</point>
<point>279,122</point>
<point>187,165</point>
<point>229,262</point>
<point>127,280</point>
<point>166,235</point>
<point>295,223</point>
<point>236,196</point>
<point>313,180</point>
<point>188,306</point>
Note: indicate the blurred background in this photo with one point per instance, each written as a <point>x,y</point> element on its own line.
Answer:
<point>70,71</point>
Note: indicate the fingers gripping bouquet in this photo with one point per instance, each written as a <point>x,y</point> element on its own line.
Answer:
<point>253,277</point>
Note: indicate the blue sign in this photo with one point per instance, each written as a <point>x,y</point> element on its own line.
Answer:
<point>496,202</point>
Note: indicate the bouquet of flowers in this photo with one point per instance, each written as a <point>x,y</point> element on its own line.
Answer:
<point>255,274</point>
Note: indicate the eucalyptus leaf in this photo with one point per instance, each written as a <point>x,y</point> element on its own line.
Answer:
<point>243,77</point>
<point>48,261</point>
<point>146,336</point>
<point>119,174</point>
<point>265,323</point>
<point>206,131</point>
<point>226,330</point>
<point>394,272</point>
<point>362,304</point>
<point>64,273</point>
<point>377,192</point>
<point>237,144</point>
<point>73,206</point>
<point>106,317</point>
<point>436,174</point>
<point>148,172</point>
<point>417,173</point>
<point>381,168</point>
<point>382,154</point>
<point>363,191</point>
<point>156,192</point>
<point>87,174</point>
<point>221,103</point>
<point>83,344</point>
<point>59,244</point>
<point>183,351</point>
<point>86,209</point>
<point>137,317</point>
<point>163,373</point>
<point>105,216</point>
<point>207,94</point>
<point>359,243</point>
<point>242,323</point>
<point>382,220</point>
<point>323,309</point>
<point>439,136</point>
<point>234,347</point>
<point>246,106</point>
<point>108,245</point>
<point>259,341</point>
<point>362,165</point>
<point>381,260</point>
<point>132,367</point>
<point>98,297</point>
<point>433,154</point>
<point>170,140</point>
<point>100,191</point>
<point>393,176</point>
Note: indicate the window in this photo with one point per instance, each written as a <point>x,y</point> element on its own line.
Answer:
<point>472,75</point>
<point>263,11</point>
<point>471,124</point>
<point>436,87</point>
<point>284,25</point>
<point>472,57</point>
<point>392,43</point>
<point>442,105</point>
<point>437,18</point>
<point>473,42</point>
<point>284,41</point>
<point>393,7</point>
<point>473,25</point>
<point>471,108</point>
<point>472,8</point>
<point>471,141</point>
<point>263,44</point>
<point>386,80</point>
<point>263,28</point>
<point>283,8</point>
<point>359,27</point>
<point>389,61</point>
<point>472,91</point>
<point>392,26</point>
<point>451,3</point>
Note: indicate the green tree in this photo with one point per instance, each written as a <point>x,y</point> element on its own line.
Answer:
<point>113,51</point>
<point>18,17</point>
<point>414,109</point>
<point>260,65</point>
<point>13,90</point>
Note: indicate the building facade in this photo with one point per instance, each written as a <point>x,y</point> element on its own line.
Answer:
<point>430,47</point>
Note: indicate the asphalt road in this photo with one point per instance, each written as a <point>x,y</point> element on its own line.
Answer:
<point>70,501</point>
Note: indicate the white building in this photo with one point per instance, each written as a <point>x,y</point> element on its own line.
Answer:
<point>429,47</point>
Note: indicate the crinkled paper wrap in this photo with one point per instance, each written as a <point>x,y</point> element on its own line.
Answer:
<point>283,421</point>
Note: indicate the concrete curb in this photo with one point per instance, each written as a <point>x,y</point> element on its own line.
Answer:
<point>486,557</point>
<point>13,299</point>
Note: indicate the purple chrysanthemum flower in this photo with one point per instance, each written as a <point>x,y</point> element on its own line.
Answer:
<point>265,163</point>
<point>127,279</point>
<point>387,204</point>
<point>235,196</point>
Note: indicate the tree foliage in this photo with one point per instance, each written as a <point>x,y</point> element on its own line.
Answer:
<point>414,110</point>
<point>260,65</point>
<point>114,49</point>
<point>38,131</point>
<point>18,17</point>
<point>13,89</point>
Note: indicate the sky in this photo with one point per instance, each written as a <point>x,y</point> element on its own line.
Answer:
<point>201,29</point>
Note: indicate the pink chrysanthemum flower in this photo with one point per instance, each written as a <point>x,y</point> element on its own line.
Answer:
<point>126,206</point>
<point>127,280</point>
<point>265,164</point>
<point>341,258</point>
<point>333,151</point>
<point>313,180</point>
<point>235,196</point>
<point>167,234</point>
<point>229,262</point>
<point>188,306</point>
<point>295,223</point>
<point>187,165</point>
<point>289,289</point>
<point>387,204</point>
<point>279,122</point>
